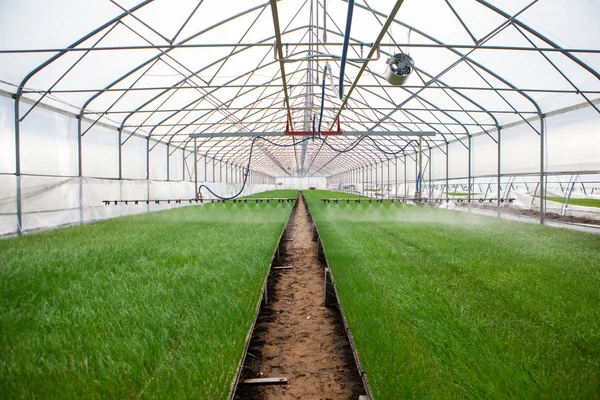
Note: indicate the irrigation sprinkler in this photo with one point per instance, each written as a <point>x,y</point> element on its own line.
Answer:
<point>280,200</point>
<point>403,200</point>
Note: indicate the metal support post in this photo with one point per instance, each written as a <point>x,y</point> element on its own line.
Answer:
<point>499,173</point>
<point>469,173</point>
<point>405,187</point>
<point>168,163</point>
<point>430,185</point>
<point>542,172</point>
<point>196,169</point>
<point>447,165</point>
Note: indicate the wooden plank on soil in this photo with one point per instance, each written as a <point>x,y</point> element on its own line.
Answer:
<point>265,381</point>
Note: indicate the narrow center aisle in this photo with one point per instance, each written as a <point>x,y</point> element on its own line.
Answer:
<point>295,335</point>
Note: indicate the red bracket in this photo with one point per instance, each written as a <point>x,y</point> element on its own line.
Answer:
<point>309,133</point>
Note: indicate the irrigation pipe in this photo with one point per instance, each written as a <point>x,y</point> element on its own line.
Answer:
<point>345,48</point>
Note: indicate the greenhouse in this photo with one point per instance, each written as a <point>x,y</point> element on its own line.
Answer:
<point>299,199</point>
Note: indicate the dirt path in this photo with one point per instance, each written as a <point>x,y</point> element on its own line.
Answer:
<point>295,335</point>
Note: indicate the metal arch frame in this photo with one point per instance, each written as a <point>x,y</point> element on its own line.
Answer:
<point>259,99</point>
<point>487,70</point>
<point>218,60</point>
<point>136,69</point>
<point>513,19</point>
<point>156,57</point>
<point>510,20</point>
<point>183,80</point>
<point>436,108</point>
<point>383,44</point>
<point>223,59</point>
<point>296,71</point>
<point>461,94</point>
<point>385,91</point>
<point>18,96</point>
<point>235,53</point>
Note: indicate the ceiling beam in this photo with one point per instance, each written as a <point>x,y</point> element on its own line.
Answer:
<point>279,46</point>
<point>282,134</point>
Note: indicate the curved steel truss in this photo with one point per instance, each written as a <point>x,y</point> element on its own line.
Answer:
<point>171,72</point>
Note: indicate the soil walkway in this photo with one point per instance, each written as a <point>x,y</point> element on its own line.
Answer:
<point>295,335</point>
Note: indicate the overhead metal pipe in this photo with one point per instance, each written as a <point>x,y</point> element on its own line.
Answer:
<point>282,134</point>
<point>279,45</point>
<point>259,44</point>
<point>345,48</point>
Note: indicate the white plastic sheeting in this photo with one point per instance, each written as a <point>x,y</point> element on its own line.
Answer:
<point>477,63</point>
<point>124,83</point>
<point>51,193</point>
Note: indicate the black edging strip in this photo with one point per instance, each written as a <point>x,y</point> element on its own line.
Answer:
<point>262,299</point>
<point>322,255</point>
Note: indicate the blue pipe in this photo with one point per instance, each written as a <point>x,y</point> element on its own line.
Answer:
<point>345,48</point>
<point>323,96</point>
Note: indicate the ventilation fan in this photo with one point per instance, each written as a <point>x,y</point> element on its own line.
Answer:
<point>399,68</point>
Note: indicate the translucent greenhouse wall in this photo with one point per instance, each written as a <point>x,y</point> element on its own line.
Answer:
<point>571,167</point>
<point>55,189</point>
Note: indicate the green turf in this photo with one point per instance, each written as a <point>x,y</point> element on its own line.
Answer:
<point>459,194</point>
<point>154,306</point>
<point>575,201</point>
<point>444,304</point>
<point>329,194</point>
<point>274,194</point>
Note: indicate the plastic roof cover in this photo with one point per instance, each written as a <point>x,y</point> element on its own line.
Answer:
<point>168,69</point>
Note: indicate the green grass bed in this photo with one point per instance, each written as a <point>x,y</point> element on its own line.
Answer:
<point>274,194</point>
<point>444,304</point>
<point>459,194</point>
<point>329,194</point>
<point>575,201</point>
<point>149,306</point>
